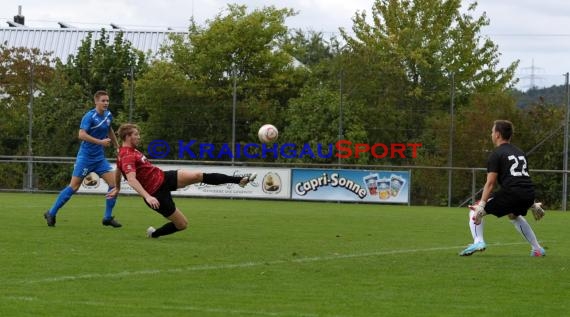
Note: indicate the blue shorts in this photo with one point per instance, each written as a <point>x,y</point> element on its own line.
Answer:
<point>83,167</point>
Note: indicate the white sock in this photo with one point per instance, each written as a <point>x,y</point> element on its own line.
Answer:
<point>476,230</point>
<point>525,230</point>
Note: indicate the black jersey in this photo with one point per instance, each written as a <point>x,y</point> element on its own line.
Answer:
<point>512,166</point>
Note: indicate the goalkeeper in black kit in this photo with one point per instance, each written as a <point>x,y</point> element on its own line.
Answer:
<point>508,166</point>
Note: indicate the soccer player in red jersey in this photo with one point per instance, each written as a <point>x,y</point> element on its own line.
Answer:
<point>155,185</point>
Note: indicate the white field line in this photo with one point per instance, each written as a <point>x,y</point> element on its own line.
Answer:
<point>208,267</point>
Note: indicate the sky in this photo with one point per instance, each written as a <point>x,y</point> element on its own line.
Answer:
<point>535,32</point>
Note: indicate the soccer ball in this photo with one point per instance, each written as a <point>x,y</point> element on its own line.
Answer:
<point>91,179</point>
<point>268,133</point>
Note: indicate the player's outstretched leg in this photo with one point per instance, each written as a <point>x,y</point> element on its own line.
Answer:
<point>187,177</point>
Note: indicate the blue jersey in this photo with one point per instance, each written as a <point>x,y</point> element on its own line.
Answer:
<point>97,126</point>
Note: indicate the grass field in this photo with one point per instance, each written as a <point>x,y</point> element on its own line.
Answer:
<point>274,258</point>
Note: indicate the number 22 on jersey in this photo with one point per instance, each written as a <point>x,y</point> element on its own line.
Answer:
<point>516,162</point>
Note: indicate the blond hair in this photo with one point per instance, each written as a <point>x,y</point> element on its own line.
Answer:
<point>127,129</point>
<point>100,93</point>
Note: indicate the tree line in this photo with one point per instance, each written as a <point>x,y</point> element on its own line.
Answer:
<point>397,77</point>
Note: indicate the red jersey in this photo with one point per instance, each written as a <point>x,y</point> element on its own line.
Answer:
<point>132,160</point>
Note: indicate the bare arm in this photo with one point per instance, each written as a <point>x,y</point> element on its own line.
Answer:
<point>113,138</point>
<point>136,185</point>
<point>83,136</point>
<point>489,185</point>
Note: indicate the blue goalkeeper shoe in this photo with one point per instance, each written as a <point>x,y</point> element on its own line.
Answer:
<point>537,252</point>
<point>472,248</point>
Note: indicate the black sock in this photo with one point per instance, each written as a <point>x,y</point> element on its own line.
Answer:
<point>217,179</point>
<point>166,229</point>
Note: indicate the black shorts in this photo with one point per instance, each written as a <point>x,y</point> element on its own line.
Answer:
<point>503,203</point>
<point>163,195</point>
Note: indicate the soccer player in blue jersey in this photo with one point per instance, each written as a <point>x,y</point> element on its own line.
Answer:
<point>95,133</point>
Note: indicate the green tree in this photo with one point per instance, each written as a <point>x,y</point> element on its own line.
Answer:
<point>540,132</point>
<point>309,48</point>
<point>59,109</point>
<point>325,59</point>
<point>166,97</point>
<point>313,120</point>
<point>106,64</point>
<point>411,50</point>
<point>236,52</point>
<point>471,144</point>
<point>23,73</point>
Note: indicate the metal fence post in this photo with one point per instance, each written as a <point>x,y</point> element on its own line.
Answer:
<point>565,163</point>
<point>450,156</point>
<point>30,164</point>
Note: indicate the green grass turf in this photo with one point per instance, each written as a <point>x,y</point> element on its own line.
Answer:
<point>274,258</point>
